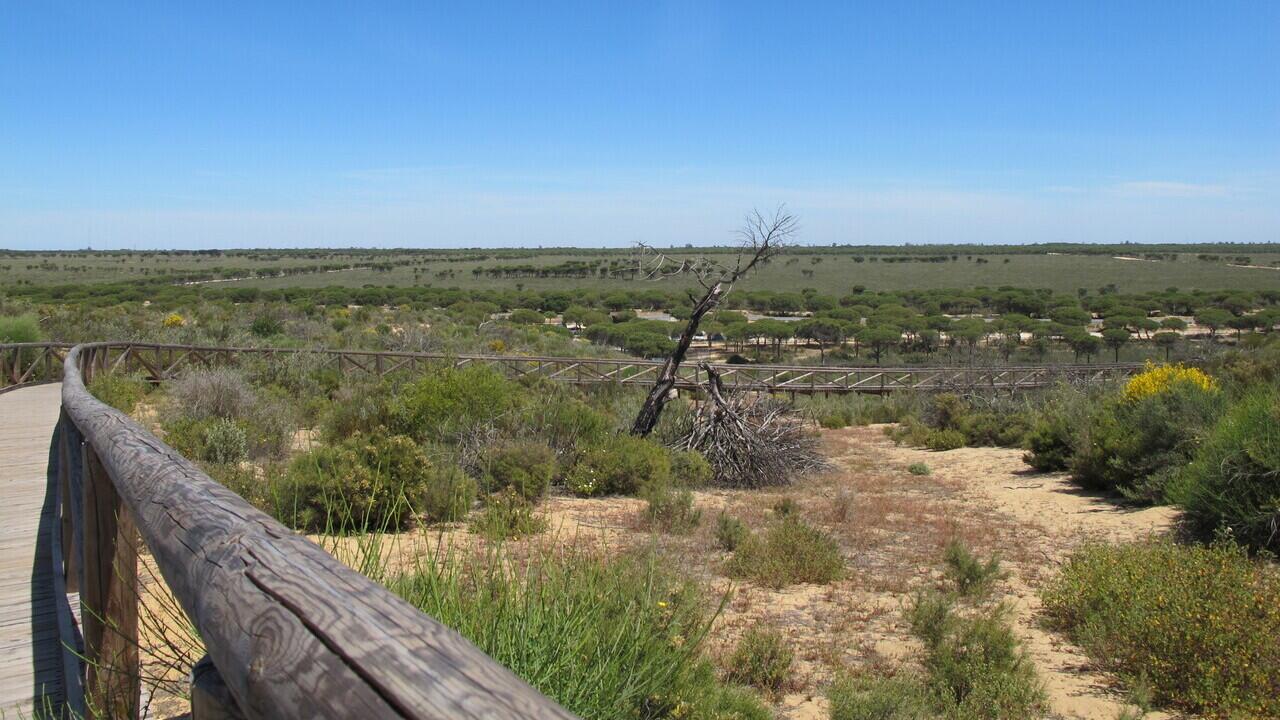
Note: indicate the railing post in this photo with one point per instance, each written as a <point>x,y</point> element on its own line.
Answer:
<point>109,597</point>
<point>210,698</point>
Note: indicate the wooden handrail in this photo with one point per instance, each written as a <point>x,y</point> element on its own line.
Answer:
<point>292,632</point>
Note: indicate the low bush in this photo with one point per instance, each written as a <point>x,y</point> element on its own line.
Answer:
<point>1233,484</point>
<point>270,425</point>
<point>947,422</point>
<point>730,532</point>
<point>761,659</point>
<point>690,469</point>
<point>358,407</point>
<point>523,467</point>
<point>506,516</point>
<point>974,665</point>
<point>1136,446</point>
<point>971,575</point>
<point>620,466</point>
<point>918,469</point>
<point>19,329</point>
<point>447,403</point>
<point>1197,624</point>
<point>785,507</point>
<point>553,619</point>
<point>225,442</point>
<point>787,553</point>
<point>565,423</point>
<point>669,508</point>
<point>895,698</point>
<point>1053,435</point>
<point>942,440</point>
<point>367,482</point>
<point>209,440</point>
<point>211,393</point>
<point>120,391</point>
<point>836,419</point>
<point>449,493</point>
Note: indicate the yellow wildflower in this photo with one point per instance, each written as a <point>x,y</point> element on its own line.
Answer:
<point>1156,379</point>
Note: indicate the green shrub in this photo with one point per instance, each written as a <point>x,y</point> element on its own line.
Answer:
<point>524,467</point>
<point>270,425</point>
<point>1050,444</point>
<point>367,482</point>
<point>762,660</point>
<point>730,532</point>
<point>1055,430</point>
<point>565,423</point>
<point>669,508</point>
<point>358,407</point>
<point>1198,624</point>
<point>909,431</point>
<point>996,429</point>
<point>201,393</point>
<point>19,329</point>
<point>553,619</point>
<point>620,466</point>
<point>787,553</point>
<point>896,698</point>
<point>972,575</point>
<point>120,391</point>
<point>225,442</point>
<point>447,403</point>
<point>918,469</point>
<point>690,469</point>
<point>1136,446</point>
<point>507,516</point>
<point>974,665</point>
<point>835,421</point>
<point>1234,482</point>
<point>785,507</point>
<point>449,493</point>
<point>941,440</point>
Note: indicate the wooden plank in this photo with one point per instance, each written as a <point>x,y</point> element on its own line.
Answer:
<point>30,649</point>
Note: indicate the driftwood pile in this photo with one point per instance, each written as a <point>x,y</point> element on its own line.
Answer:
<point>751,440</point>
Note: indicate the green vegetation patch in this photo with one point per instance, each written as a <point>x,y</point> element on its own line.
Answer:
<point>606,639</point>
<point>1197,624</point>
<point>789,552</point>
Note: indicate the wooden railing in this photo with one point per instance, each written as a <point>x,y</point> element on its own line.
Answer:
<point>34,362</point>
<point>289,631</point>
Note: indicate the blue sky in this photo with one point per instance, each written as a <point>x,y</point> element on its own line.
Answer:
<point>163,124</point>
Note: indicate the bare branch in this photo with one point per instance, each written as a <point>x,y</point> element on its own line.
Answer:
<point>762,238</point>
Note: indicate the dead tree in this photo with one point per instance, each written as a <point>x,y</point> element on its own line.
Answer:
<point>761,239</point>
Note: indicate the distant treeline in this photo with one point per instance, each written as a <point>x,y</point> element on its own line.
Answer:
<point>939,252</point>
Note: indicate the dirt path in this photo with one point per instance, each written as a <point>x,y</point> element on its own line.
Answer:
<point>1058,517</point>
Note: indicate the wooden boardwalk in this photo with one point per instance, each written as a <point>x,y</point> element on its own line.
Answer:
<point>30,657</point>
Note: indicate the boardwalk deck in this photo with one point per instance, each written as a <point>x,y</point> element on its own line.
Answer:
<point>30,658</point>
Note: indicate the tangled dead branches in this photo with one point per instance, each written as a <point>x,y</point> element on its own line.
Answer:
<point>751,440</point>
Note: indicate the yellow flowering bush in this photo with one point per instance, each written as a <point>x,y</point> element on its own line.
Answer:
<point>174,320</point>
<point>1157,379</point>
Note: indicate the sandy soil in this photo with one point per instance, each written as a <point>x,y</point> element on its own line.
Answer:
<point>1060,516</point>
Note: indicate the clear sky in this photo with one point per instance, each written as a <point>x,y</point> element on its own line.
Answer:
<point>251,124</point>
